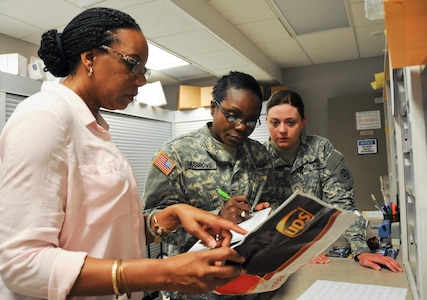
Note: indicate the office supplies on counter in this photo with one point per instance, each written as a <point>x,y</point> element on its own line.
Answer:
<point>391,212</point>
<point>339,251</point>
<point>384,229</point>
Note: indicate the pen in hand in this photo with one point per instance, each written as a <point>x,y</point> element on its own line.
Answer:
<point>227,196</point>
<point>223,194</point>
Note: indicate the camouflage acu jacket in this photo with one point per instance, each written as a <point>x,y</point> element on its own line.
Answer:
<point>189,169</point>
<point>320,170</point>
<point>197,166</point>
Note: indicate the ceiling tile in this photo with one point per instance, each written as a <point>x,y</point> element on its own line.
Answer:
<point>43,14</point>
<point>371,40</point>
<point>319,46</point>
<point>264,31</point>
<point>218,35</point>
<point>190,43</point>
<point>182,73</point>
<point>317,15</point>
<point>121,5</point>
<point>243,11</point>
<point>221,59</point>
<point>160,18</point>
<point>286,53</point>
<point>17,29</point>
<point>359,15</point>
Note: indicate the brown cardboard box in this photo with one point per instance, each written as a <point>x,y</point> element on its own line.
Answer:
<point>278,88</point>
<point>406,38</point>
<point>206,95</point>
<point>188,97</point>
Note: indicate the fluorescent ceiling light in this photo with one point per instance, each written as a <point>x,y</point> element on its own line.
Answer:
<point>159,59</point>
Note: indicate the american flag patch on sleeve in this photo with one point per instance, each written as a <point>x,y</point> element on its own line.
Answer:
<point>164,163</point>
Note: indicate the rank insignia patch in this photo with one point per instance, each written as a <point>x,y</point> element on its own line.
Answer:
<point>164,163</point>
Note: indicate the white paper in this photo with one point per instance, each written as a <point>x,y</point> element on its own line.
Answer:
<point>324,289</point>
<point>372,214</point>
<point>250,224</point>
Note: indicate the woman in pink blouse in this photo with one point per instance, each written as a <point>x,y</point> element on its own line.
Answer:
<point>71,223</point>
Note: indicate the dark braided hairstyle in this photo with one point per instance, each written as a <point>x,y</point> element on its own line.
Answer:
<point>237,80</point>
<point>89,29</point>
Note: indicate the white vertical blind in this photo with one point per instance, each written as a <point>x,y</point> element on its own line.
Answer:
<point>138,138</point>
<point>12,101</point>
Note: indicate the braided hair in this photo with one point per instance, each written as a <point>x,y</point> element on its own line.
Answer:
<point>237,80</point>
<point>89,29</point>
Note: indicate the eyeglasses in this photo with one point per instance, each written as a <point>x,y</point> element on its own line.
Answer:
<point>137,67</point>
<point>237,121</point>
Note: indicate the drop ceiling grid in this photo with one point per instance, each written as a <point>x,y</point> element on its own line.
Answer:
<point>320,45</point>
<point>286,53</point>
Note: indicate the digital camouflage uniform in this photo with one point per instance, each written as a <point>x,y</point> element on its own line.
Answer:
<point>320,170</point>
<point>198,166</point>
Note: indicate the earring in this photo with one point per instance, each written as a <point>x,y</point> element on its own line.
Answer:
<point>90,72</point>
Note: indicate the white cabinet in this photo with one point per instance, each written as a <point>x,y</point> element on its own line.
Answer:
<point>406,106</point>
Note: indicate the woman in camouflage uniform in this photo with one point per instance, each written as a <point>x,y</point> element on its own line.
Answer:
<point>191,168</point>
<point>312,164</point>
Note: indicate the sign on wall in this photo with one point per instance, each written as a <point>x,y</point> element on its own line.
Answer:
<point>368,120</point>
<point>367,146</point>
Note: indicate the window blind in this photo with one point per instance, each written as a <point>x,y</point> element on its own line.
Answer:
<point>138,138</point>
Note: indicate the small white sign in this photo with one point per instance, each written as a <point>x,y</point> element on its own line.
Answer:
<point>368,120</point>
<point>367,146</point>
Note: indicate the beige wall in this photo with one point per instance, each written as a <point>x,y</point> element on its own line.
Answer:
<point>343,133</point>
<point>11,45</point>
<point>316,84</point>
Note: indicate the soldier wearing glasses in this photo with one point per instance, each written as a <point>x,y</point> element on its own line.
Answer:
<point>191,168</point>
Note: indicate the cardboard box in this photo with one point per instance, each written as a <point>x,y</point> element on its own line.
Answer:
<point>278,88</point>
<point>188,97</point>
<point>14,63</point>
<point>206,95</point>
<point>267,91</point>
<point>191,96</point>
<point>406,38</point>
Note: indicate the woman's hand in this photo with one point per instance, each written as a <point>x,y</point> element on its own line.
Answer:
<point>320,259</point>
<point>202,271</point>
<point>211,229</point>
<point>377,262</point>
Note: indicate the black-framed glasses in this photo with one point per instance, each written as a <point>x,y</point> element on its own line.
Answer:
<point>237,121</point>
<point>137,67</point>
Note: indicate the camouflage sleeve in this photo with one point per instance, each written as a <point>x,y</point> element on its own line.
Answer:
<point>162,190</point>
<point>271,191</point>
<point>338,190</point>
